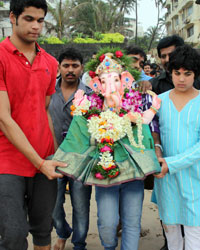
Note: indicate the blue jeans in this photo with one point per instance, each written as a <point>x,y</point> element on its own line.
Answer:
<point>62,227</point>
<point>80,199</point>
<point>123,201</point>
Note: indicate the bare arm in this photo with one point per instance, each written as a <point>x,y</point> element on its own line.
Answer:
<point>156,138</point>
<point>48,99</point>
<point>16,136</point>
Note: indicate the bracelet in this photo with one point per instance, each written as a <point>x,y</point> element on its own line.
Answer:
<point>154,109</point>
<point>41,164</point>
<point>159,146</point>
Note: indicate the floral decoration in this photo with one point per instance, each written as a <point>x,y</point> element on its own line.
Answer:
<point>132,101</point>
<point>92,74</point>
<point>119,53</point>
<point>107,127</point>
<point>101,58</point>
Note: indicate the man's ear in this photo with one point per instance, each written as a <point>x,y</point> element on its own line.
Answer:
<point>12,18</point>
<point>82,70</point>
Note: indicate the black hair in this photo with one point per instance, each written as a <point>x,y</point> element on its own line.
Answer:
<point>136,51</point>
<point>169,41</point>
<point>154,66</point>
<point>18,6</point>
<point>185,57</point>
<point>72,54</point>
<point>147,63</point>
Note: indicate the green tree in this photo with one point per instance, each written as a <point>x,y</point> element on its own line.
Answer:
<point>91,16</point>
<point>125,6</point>
<point>155,30</point>
<point>61,13</point>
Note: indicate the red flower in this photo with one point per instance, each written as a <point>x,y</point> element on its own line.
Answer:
<point>89,117</point>
<point>103,140</point>
<point>118,53</point>
<point>121,114</point>
<point>101,58</point>
<point>107,140</point>
<point>92,74</point>
<point>113,176</point>
<point>109,168</point>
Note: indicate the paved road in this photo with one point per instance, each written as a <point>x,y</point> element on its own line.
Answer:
<point>151,231</point>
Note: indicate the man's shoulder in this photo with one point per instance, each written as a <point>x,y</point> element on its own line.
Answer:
<point>84,87</point>
<point>197,83</point>
<point>48,56</point>
<point>4,48</point>
<point>161,77</point>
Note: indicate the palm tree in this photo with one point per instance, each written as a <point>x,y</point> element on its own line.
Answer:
<point>61,13</point>
<point>93,16</point>
<point>154,30</point>
<point>125,6</point>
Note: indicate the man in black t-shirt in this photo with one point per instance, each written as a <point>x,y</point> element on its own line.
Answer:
<point>165,47</point>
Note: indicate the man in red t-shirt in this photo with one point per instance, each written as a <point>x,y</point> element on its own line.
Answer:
<point>27,180</point>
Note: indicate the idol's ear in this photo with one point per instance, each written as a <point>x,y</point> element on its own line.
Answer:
<point>126,80</point>
<point>95,84</point>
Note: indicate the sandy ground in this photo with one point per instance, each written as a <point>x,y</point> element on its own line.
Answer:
<point>151,238</point>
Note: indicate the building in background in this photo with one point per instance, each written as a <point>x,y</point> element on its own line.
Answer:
<point>183,18</point>
<point>5,25</point>
<point>130,24</point>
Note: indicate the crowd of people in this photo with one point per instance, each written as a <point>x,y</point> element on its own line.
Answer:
<point>36,121</point>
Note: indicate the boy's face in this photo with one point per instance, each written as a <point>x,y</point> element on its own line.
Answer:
<point>183,79</point>
<point>147,69</point>
<point>28,26</point>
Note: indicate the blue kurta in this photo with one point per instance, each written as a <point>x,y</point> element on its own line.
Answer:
<point>178,193</point>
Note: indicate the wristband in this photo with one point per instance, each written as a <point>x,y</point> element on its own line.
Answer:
<point>154,109</point>
<point>41,164</point>
<point>159,146</point>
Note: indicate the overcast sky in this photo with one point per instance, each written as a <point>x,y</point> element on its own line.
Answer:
<point>147,13</point>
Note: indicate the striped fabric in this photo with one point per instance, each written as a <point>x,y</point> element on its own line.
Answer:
<point>146,104</point>
<point>178,193</point>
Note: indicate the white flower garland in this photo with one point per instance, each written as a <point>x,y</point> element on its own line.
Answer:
<point>109,124</point>
<point>106,160</point>
<point>129,132</point>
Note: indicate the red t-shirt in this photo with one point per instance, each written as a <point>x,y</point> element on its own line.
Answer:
<point>27,86</point>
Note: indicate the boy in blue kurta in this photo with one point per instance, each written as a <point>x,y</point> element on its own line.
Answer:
<point>177,186</point>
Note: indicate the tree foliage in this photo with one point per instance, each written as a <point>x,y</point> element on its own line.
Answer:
<point>89,19</point>
<point>61,13</point>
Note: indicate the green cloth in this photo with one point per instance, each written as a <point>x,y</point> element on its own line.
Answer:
<point>80,152</point>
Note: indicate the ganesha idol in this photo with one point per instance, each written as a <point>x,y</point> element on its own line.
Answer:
<point>109,140</point>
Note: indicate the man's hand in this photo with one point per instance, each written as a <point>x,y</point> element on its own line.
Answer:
<point>48,169</point>
<point>164,169</point>
<point>144,86</point>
